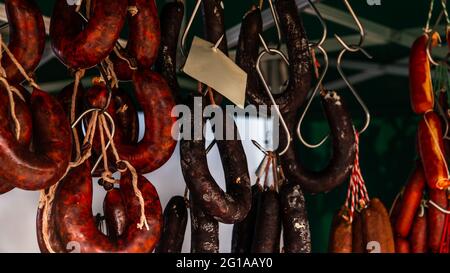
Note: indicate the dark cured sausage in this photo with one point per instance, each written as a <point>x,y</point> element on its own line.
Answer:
<point>77,224</point>
<point>143,38</point>
<point>26,38</point>
<point>174,227</point>
<point>204,230</point>
<point>420,82</point>
<point>243,231</point>
<point>157,101</point>
<point>267,234</point>
<point>79,47</point>
<point>166,64</point>
<point>340,234</point>
<point>296,232</point>
<point>377,227</point>
<point>418,236</point>
<point>23,115</point>
<point>431,148</point>
<point>127,116</point>
<point>344,149</point>
<point>115,214</point>
<point>436,219</point>
<point>411,199</point>
<point>229,207</point>
<point>39,169</point>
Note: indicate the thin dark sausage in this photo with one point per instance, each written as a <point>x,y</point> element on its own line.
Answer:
<point>243,231</point>
<point>174,227</point>
<point>267,233</point>
<point>227,207</point>
<point>26,38</point>
<point>344,149</point>
<point>43,167</point>
<point>204,230</point>
<point>81,48</point>
<point>166,63</point>
<point>76,223</point>
<point>296,232</point>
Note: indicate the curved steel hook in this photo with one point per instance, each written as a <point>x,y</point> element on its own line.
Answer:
<point>276,21</point>
<point>188,27</point>
<point>362,32</point>
<point>273,51</point>
<point>316,89</point>
<point>317,45</point>
<point>352,89</point>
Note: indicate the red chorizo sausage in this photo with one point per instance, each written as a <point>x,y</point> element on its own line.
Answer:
<point>420,83</point>
<point>174,228</point>
<point>431,149</point>
<point>26,38</point>
<point>436,219</point>
<point>53,233</point>
<point>115,214</point>
<point>78,47</point>
<point>143,39</point>
<point>418,236</point>
<point>43,167</point>
<point>402,245</point>
<point>76,223</point>
<point>411,199</point>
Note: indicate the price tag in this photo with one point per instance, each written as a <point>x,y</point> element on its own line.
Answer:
<point>212,67</point>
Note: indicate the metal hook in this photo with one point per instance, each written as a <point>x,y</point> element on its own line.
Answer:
<point>188,27</point>
<point>362,32</point>
<point>352,89</point>
<point>317,45</point>
<point>273,51</point>
<point>276,21</point>
<point>316,89</point>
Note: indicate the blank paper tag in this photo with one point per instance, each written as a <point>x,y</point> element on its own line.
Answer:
<point>215,69</point>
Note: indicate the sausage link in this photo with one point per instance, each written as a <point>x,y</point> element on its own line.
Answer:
<point>418,237</point>
<point>204,230</point>
<point>26,38</point>
<point>358,245</point>
<point>127,116</point>
<point>436,219</point>
<point>344,149</point>
<point>227,207</point>
<point>242,237</point>
<point>267,234</point>
<point>341,234</point>
<point>420,83</point>
<point>377,227</point>
<point>402,245</point>
<point>76,223</point>
<point>431,149</point>
<point>43,167</point>
<point>395,210</point>
<point>166,63</point>
<point>412,196</point>
<point>174,227</point>
<point>296,232</point>
<point>53,232</point>
<point>81,47</point>
<point>115,214</point>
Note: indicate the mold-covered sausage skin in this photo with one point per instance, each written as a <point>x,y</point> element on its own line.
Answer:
<point>204,230</point>
<point>26,38</point>
<point>344,149</point>
<point>81,47</point>
<point>243,231</point>
<point>77,224</point>
<point>166,63</point>
<point>267,234</point>
<point>43,167</point>
<point>227,207</point>
<point>296,233</point>
<point>340,234</point>
<point>174,226</point>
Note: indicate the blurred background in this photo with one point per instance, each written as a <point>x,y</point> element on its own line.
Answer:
<point>387,148</point>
